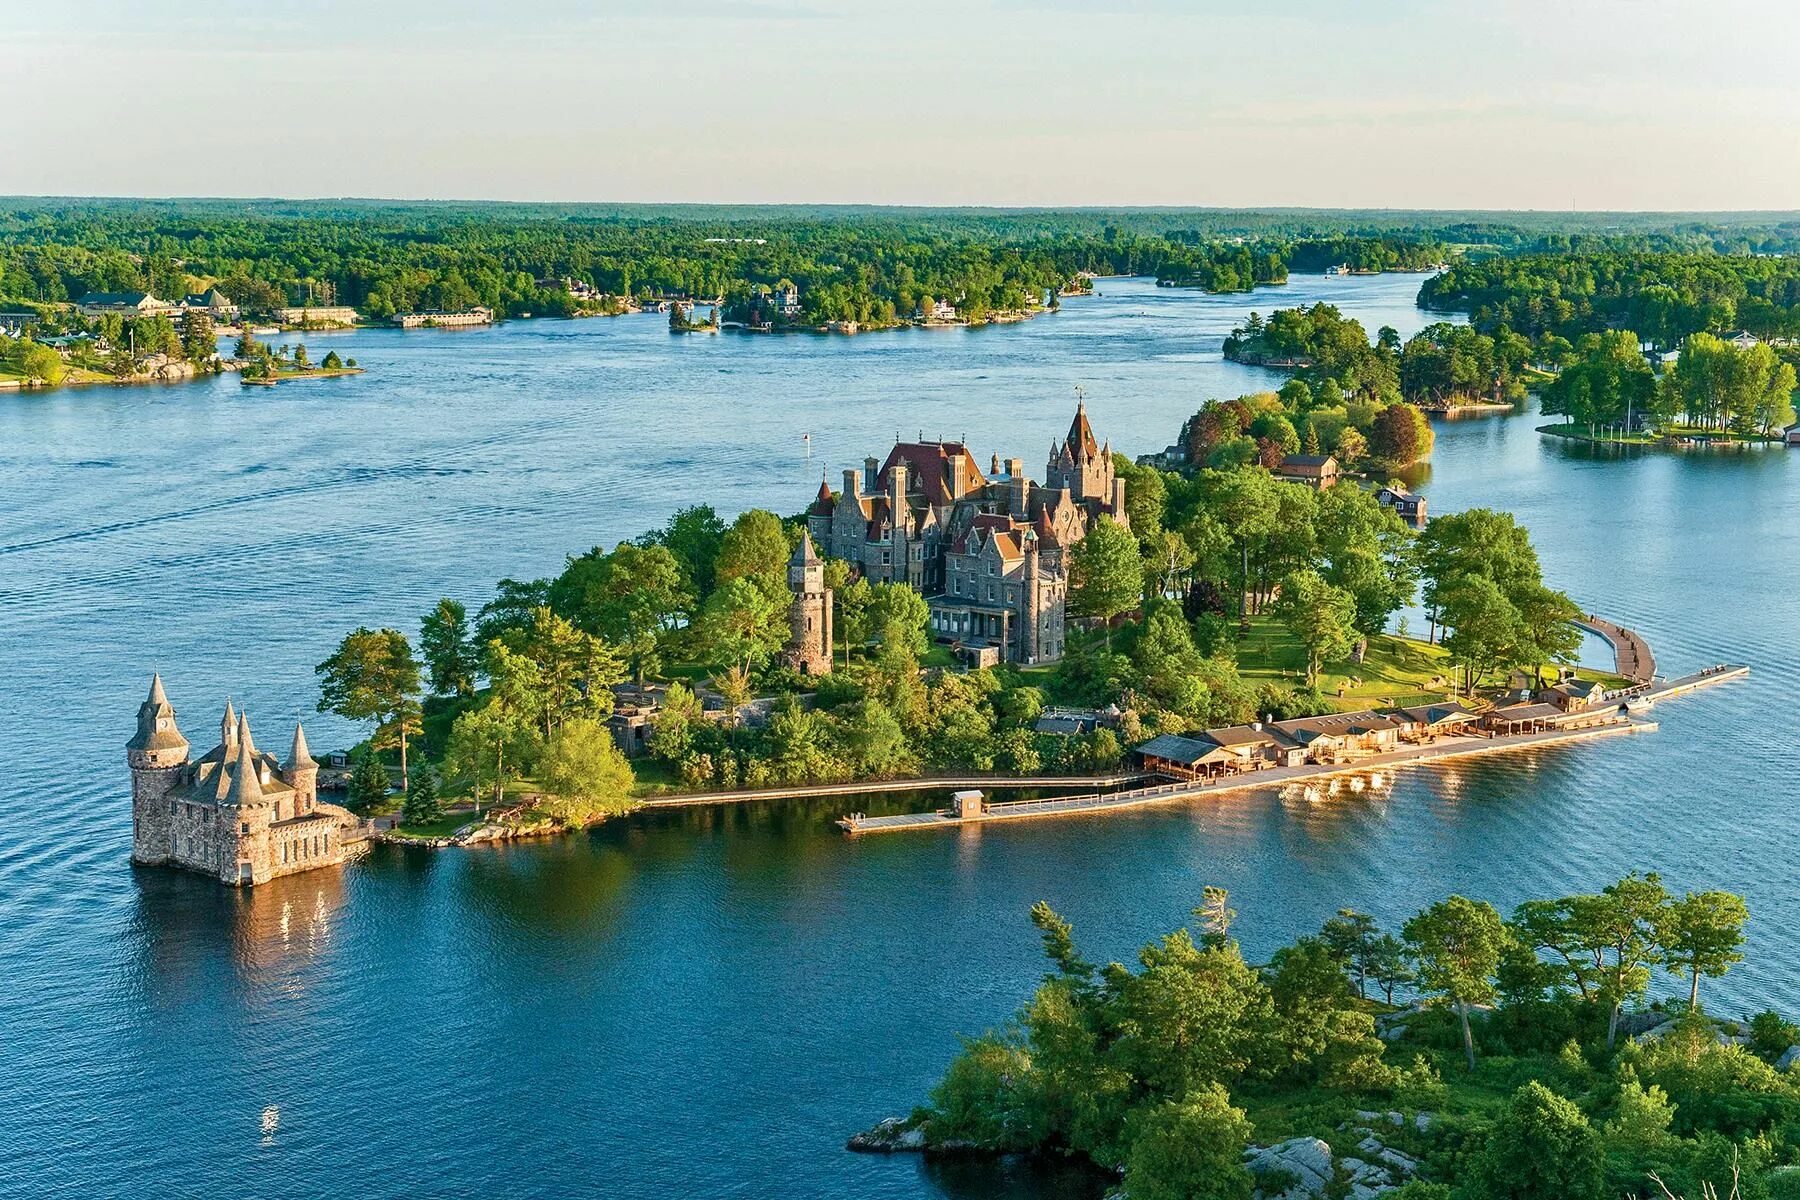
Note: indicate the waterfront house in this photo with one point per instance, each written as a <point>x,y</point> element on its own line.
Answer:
<point>212,302</point>
<point>125,304</point>
<point>1743,339</point>
<point>1572,695</point>
<point>1336,737</point>
<point>445,320</point>
<point>1792,434</point>
<point>1408,506</point>
<point>317,316</point>
<point>787,300</point>
<point>1318,471</point>
<point>14,324</point>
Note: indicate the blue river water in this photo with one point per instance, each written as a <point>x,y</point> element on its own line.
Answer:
<point>706,1003</point>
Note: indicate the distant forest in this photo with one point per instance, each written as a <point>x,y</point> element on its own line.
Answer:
<point>868,264</point>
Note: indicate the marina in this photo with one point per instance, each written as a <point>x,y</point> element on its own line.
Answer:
<point>1617,718</point>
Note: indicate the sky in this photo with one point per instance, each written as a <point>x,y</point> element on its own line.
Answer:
<point>1520,104</point>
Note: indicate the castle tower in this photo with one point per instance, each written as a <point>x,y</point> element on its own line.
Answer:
<point>155,755</point>
<point>1080,463</point>
<point>302,773</point>
<point>809,616</point>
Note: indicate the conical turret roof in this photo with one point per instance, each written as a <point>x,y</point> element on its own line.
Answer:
<point>156,728</point>
<point>245,744</point>
<point>246,788</point>
<point>1081,434</point>
<point>299,757</point>
<point>804,553</point>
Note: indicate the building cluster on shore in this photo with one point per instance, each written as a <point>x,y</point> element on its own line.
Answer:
<point>987,550</point>
<point>211,303</point>
<point>1340,738</point>
<point>235,813</point>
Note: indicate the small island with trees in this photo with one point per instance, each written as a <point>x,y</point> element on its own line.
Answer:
<point>1462,1055</point>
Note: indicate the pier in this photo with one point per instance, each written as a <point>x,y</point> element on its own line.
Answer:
<point>1613,718</point>
<point>1631,653</point>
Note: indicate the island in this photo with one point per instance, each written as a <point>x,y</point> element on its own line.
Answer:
<point>1458,1053</point>
<point>1130,633</point>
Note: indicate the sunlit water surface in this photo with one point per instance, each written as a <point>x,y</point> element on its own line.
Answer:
<point>707,1002</point>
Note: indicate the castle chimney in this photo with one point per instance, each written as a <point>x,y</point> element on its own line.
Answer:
<point>1015,467</point>
<point>852,483</point>
<point>1118,501</point>
<point>871,475</point>
<point>1019,487</point>
<point>897,493</point>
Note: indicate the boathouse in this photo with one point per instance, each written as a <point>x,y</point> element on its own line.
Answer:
<point>1196,757</point>
<point>1408,506</point>
<point>1317,471</point>
<point>1435,720</point>
<point>1522,718</point>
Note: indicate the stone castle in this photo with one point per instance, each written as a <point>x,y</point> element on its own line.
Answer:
<point>235,813</point>
<point>987,551</point>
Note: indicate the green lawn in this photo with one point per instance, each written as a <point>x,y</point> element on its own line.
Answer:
<point>444,826</point>
<point>1396,672</point>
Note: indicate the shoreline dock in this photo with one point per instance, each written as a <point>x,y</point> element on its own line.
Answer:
<point>1603,722</point>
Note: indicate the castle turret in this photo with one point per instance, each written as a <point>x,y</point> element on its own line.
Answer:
<point>809,616</point>
<point>302,773</point>
<point>228,730</point>
<point>158,744</point>
<point>246,784</point>
<point>156,755</point>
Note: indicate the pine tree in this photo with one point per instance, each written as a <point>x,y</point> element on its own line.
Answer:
<point>368,781</point>
<point>422,806</point>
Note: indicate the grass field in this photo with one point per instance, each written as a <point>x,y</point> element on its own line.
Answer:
<point>1396,671</point>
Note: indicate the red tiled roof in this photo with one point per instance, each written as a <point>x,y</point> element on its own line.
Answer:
<point>928,468</point>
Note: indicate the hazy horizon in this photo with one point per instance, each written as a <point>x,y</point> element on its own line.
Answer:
<point>1669,106</point>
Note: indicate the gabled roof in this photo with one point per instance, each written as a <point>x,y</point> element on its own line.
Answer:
<point>1526,712</point>
<point>1179,749</point>
<point>928,468</point>
<point>1448,712</point>
<point>1305,464</point>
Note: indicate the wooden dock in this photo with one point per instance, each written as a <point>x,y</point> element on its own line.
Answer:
<point>1580,726</point>
<point>1631,653</point>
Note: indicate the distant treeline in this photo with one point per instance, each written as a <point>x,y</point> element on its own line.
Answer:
<point>850,263</point>
<point>1663,297</point>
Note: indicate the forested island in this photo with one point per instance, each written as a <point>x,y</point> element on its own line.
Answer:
<point>1644,345</point>
<point>1460,1056</point>
<point>1233,596</point>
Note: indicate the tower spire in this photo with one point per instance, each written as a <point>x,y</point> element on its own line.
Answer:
<point>246,788</point>
<point>299,757</point>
